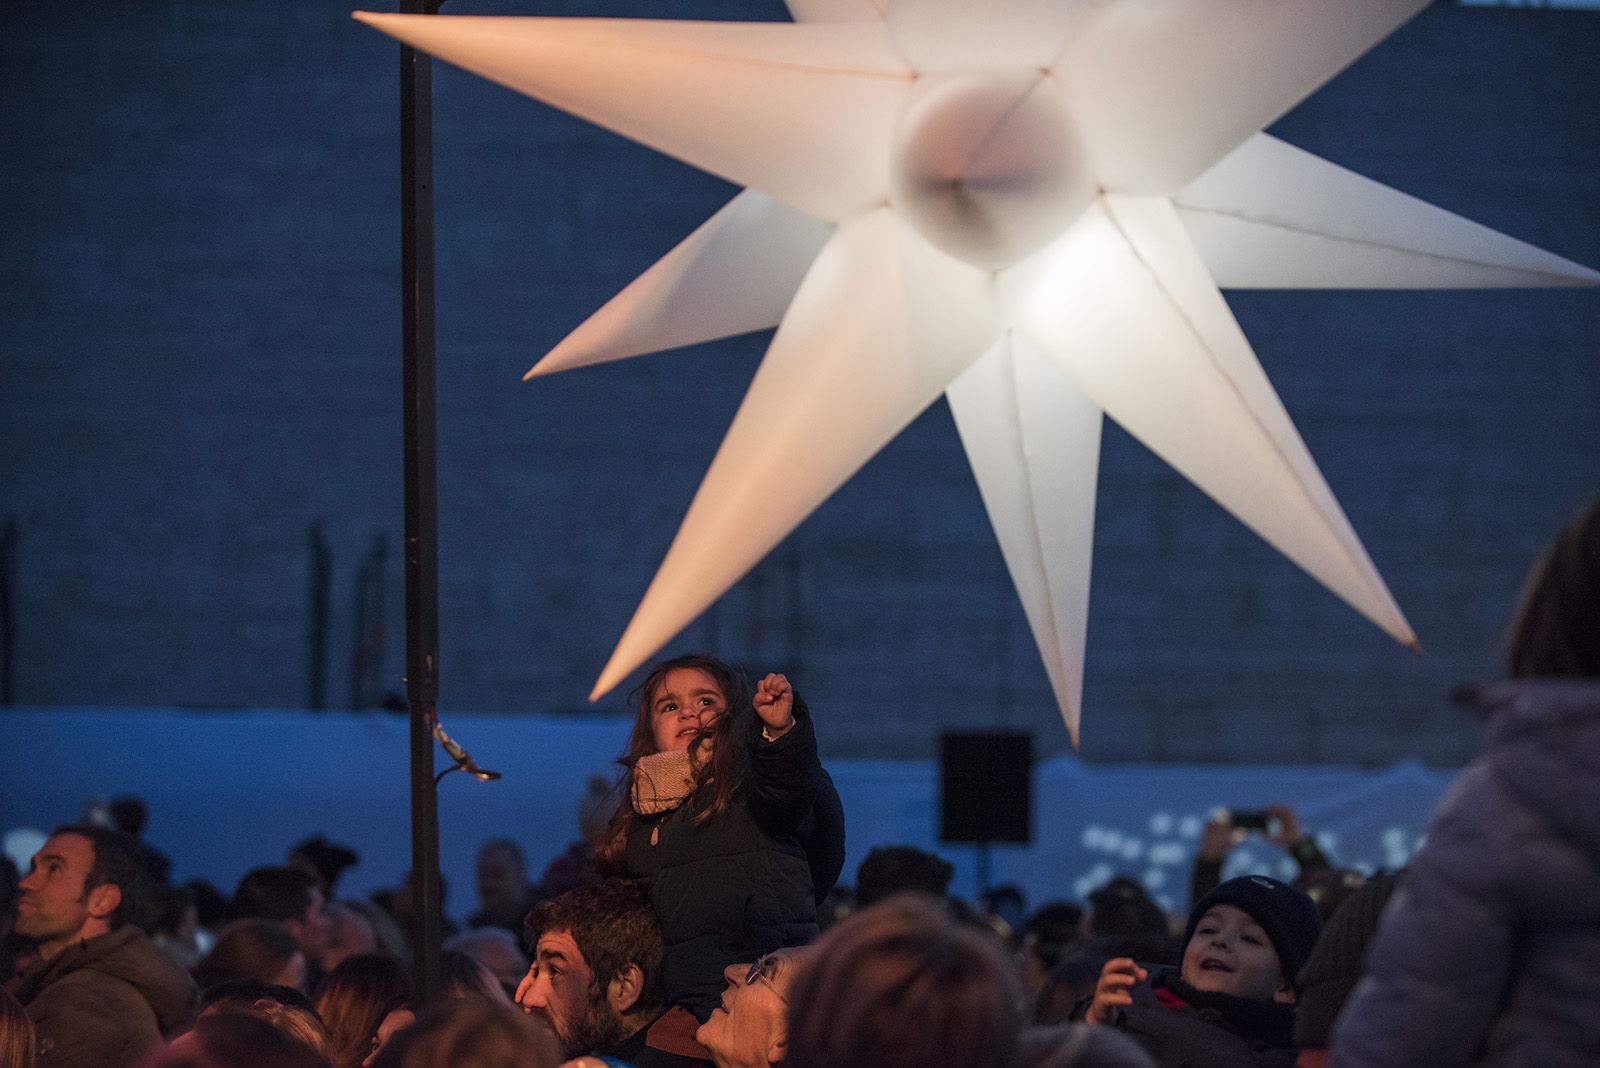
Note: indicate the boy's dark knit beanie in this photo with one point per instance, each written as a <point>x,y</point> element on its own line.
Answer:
<point>1287,915</point>
<point>1336,964</point>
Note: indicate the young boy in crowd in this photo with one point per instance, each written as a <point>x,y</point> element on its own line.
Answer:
<point>1232,1000</point>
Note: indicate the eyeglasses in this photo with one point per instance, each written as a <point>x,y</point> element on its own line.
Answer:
<point>765,969</point>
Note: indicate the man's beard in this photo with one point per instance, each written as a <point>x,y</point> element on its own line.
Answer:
<point>597,1029</point>
<point>43,926</point>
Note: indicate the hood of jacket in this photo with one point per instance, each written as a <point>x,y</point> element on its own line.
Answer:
<point>125,954</point>
<point>1544,743</point>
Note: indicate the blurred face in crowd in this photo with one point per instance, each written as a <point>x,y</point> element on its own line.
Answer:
<point>747,1030</point>
<point>1231,954</point>
<point>687,702</point>
<point>392,1024</point>
<point>505,961</point>
<point>311,929</point>
<point>559,989</point>
<point>55,905</point>
<point>293,974</point>
<point>501,880</point>
<point>349,933</point>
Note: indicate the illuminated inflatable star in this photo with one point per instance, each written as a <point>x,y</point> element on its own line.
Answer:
<point>1025,205</point>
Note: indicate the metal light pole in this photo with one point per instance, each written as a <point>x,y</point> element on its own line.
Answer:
<point>421,493</point>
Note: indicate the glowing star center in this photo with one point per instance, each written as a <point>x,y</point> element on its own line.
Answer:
<point>987,167</point>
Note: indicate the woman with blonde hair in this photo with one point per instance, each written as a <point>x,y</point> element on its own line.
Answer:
<point>353,999</point>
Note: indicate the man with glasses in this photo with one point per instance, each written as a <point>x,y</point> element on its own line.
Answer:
<point>596,980</point>
<point>748,1030</point>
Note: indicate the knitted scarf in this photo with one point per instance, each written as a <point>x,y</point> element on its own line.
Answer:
<point>661,781</point>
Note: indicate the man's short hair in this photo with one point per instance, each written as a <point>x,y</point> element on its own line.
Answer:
<point>614,926</point>
<point>274,894</point>
<point>889,870</point>
<point>116,862</point>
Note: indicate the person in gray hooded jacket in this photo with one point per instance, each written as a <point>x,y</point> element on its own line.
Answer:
<point>101,995</point>
<point>1489,951</point>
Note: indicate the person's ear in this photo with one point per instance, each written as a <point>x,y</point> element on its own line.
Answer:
<point>1285,994</point>
<point>775,1051</point>
<point>104,900</point>
<point>624,989</point>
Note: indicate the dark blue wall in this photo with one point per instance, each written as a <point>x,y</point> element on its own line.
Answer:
<point>199,275</point>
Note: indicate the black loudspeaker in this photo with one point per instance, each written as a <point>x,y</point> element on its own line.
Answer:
<point>986,787</point>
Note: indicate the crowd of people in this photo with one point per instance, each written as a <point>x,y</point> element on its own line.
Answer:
<point>700,921</point>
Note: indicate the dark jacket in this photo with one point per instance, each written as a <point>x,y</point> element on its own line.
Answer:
<point>106,1001</point>
<point>740,885</point>
<point>1489,952</point>
<point>1207,1030</point>
<point>669,1042</point>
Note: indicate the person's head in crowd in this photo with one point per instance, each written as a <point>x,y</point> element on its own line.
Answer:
<point>684,702</point>
<point>18,1040</point>
<point>839,903</point>
<point>85,882</point>
<point>750,1028</point>
<point>471,1033</point>
<point>212,907</point>
<point>177,926</point>
<point>1328,888</point>
<point>397,1017</point>
<point>292,1017</point>
<point>291,897</point>
<point>688,704</point>
<point>233,992</point>
<point>1249,937</point>
<point>1338,960</point>
<point>596,973</point>
<point>324,861</point>
<point>400,900</point>
<point>1556,630</point>
<point>350,933</point>
<point>577,865</point>
<point>235,1040</point>
<point>896,869</point>
<point>1005,903</point>
<point>497,949</point>
<point>128,815</point>
<point>502,877</point>
<point>1079,1046</point>
<point>1123,907</point>
<point>899,985</point>
<point>389,937</point>
<point>1043,937</point>
<point>594,808</point>
<point>263,950</point>
<point>353,1000</point>
<point>1071,981</point>
<point>462,975</point>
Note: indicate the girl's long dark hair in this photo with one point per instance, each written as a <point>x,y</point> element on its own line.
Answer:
<point>728,738</point>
